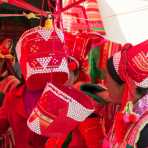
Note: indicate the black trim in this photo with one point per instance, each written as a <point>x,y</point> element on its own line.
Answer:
<point>112,71</point>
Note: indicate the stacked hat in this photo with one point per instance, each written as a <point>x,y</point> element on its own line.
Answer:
<point>59,110</point>
<point>42,57</point>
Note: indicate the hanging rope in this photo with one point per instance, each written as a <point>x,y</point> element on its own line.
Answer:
<point>40,12</point>
<point>42,8</point>
<point>28,16</point>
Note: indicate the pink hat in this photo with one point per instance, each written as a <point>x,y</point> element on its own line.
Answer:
<point>59,110</point>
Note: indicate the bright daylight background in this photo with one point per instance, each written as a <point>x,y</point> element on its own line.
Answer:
<point>125,20</point>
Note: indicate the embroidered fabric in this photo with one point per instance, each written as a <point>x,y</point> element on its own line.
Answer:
<point>45,66</point>
<point>76,110</point>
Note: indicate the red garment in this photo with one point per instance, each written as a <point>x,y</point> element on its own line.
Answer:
<point>60,109</point>
<point>13,114</point>
<point>92,132</point>
<point>8,83</point>
<point>44,56</point>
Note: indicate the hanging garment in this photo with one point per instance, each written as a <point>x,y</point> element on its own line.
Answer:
<point>84,17</point>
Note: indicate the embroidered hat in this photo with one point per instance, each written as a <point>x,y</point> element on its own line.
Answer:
<point>59,110</point>
<point>131,62</point>
<point>42,57</point>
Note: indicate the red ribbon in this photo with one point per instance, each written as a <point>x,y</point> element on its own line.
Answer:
<point>27,6</point>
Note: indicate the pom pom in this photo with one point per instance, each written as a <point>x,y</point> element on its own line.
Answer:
<point>126,118</point>
<point>133,118</point>
<point>120,127</point>
<point>72,66</point>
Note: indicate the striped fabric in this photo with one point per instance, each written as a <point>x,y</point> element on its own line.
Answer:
<point>85,17</point>
<point>107,51</point>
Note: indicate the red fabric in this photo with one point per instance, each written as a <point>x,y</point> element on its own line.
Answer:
<point>39,43</point>
<point>55,142</point>
<point>92,132</point>
<point>133,66</point>
<point>120,127</point>
<point>106,51</point>
<point>5,50</point>
<point>84,17</point>
<point>3,46</point>
<point>137,61</point>
<point>77,140</point>
<point>57,117</point>
<point>13,113</point>
<point>42,50</point>
<point>8,84</point>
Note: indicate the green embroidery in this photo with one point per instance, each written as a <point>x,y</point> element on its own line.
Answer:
<point>129,146</point>
<point>94,58</point>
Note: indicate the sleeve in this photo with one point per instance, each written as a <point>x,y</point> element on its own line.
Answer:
<point>143,139</point>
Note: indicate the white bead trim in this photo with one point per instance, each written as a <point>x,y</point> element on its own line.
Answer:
<point>76,110</point>
<point>63,67</point>
<point>116,61</point>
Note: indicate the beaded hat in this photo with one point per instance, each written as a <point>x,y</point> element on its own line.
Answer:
<point>59,110</point>
<point>131,62</point>
<point>42,57</point>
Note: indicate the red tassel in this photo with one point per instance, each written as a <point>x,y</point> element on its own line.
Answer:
<point>120,127</point>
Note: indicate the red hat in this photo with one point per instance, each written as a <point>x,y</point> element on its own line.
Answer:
<point>131,63</point>
<point>42,56</point>
<point>80,46</point>
<point>59,110</point>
